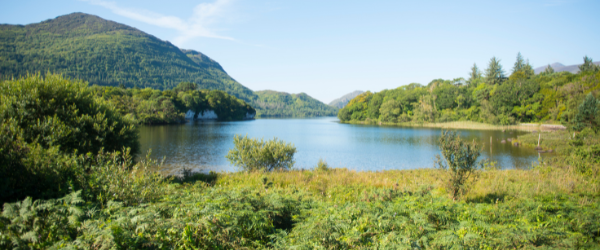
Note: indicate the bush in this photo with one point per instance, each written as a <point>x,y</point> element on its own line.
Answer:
<point>461,162</point>
<point>54,111</point>
<point>251,154</point>
<point>46,126</point>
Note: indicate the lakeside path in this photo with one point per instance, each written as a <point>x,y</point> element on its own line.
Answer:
<point>472,125</point>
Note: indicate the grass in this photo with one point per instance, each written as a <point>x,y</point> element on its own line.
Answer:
<point>348,186</point>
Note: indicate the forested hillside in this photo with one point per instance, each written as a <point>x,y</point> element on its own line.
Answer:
<point>106,53</point>
<point>152,106</point>
<point>492,97</point>
<point>276,104</point>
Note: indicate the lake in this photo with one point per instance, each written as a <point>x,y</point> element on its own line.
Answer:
<point>202,145</point>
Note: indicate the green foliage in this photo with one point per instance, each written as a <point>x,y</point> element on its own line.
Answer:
<point>522,97</point>
<point>588,115</point>
<point>250,154</point>
<point>474,74</point>
<point>461,162</point>
<point>278,104</point>
<point>494,74</point>
<point>322,166</point>
<point>588,65</point>
<point>47,125</point>
<point>148,106</point>
<point>54,111</point>
<point>106,53</point>
<point>115,177</point>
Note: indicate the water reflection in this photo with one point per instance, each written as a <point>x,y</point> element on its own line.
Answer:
<point>203,145</point>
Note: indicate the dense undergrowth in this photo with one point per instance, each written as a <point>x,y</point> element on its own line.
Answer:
<point>327,209</point>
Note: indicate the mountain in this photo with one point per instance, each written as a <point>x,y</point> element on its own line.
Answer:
<point>342,101</point>
<point>276,104</point>
<point>108,53</point>
<point>559,67</point>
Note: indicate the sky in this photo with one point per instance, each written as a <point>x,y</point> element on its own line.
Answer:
<point>329,48</point>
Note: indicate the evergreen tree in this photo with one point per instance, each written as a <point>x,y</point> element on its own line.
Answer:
<point>475,73</point>
<point>528,69</point>
<point>548,70</point>
<point>588,111</point>
<point>494,74</point>
<point>588,65</point>
<point>519,64</point>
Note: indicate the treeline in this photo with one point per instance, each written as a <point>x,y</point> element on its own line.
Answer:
<point>490,97</point>
<point>278,104</point>
<point>151,106</point>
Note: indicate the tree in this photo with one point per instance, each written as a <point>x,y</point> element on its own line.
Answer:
<point>588,113</point>
<point>519,64</point>
<point>461,162</point>
<point>475,74</point>
<point>548,70</point>
<point>588,65</point>
<point>390,111</point>
<point>494,74</point>
<point>250,154</point>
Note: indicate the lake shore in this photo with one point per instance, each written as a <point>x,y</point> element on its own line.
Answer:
<point>529,127</point>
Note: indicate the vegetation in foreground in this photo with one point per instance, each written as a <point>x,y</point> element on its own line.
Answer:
<point>110,202</point>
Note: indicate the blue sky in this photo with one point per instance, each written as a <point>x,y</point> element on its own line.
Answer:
<point>329,48</point>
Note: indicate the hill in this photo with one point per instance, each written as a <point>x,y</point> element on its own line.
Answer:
<point>107,53</point>
<point>278,104</point>
<point>342,101</point>
<point>559,67</point>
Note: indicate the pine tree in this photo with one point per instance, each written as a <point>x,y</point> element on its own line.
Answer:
<point>588,111</point>
<point>588,65</point>
<point>475,73</point>
<point>519,64</point>
<point>494,74</point>
<point>548,70</point>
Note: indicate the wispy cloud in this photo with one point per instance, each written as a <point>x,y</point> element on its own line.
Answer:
<point>198,25</point>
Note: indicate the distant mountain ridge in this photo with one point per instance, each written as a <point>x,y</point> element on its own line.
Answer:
<point>108,53</point>
<point>342,101</point>
<point>559,67</point>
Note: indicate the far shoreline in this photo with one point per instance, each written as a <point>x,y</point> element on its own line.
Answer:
<point>528,127</point>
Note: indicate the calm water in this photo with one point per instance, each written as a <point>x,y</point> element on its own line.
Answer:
<point>203,145</point>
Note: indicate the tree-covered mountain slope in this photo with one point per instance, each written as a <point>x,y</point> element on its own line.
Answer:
<point>106,53</point>
<point>342,101</point>
<point>280,104</point>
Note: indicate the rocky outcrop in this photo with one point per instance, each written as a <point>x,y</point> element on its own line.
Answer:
<point>205,115</point>
<point>249,116</point>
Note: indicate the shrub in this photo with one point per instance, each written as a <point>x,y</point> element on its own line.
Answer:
<point>54,111</point>
<point>587,114</point>
<point>46,126</point>
<point>322,166</point>
<point>251,154</point>
<point>461,161</point>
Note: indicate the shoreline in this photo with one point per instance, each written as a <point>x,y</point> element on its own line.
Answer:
<point>528,127</point>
